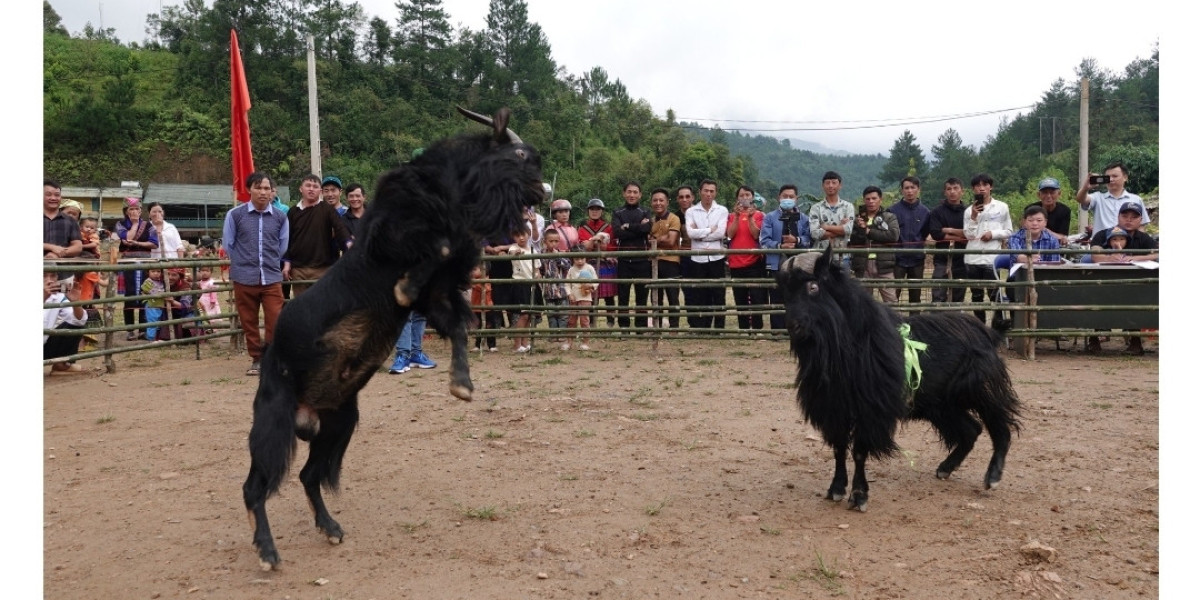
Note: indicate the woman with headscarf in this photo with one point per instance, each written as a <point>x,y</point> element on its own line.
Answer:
<point>137,238</point>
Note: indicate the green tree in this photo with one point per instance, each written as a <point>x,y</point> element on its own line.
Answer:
<point>423,37</point>
<point>951,159</point>
<point>51,22</point>
<point>906,158</point>
<point>523,73</point>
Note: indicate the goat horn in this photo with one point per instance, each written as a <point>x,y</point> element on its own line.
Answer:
<point>806,262</point>
<point>486,120</point>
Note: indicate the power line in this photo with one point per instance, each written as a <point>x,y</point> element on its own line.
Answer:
<point>962,115</point>
<point>868,124</point>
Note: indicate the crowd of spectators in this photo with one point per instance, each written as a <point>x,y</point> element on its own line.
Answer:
<point>272,248</point>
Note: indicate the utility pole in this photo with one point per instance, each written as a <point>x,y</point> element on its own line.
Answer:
<point>1084,97</point>
<point>314,125</point>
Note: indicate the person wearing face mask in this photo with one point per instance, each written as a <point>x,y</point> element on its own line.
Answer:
<point>783,228</point>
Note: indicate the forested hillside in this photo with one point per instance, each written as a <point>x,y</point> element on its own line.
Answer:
<point>159,111</point>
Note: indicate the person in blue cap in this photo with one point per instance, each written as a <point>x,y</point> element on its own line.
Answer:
<point>331,192</point>
<point>1058,216</point>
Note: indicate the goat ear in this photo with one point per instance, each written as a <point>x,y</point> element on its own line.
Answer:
<point>500,125</point>
<point>823,262</point>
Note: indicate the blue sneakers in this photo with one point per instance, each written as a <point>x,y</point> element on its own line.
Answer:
<point>400,365</point>
<point>421,361</point>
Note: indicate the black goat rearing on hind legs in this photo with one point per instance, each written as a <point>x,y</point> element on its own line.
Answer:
<point>855,385</point>
<point>416,246</point>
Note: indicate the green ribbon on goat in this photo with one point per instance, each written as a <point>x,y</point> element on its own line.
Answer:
<point>912,363</point>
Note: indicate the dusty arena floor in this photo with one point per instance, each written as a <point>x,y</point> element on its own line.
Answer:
<point>619,473</point>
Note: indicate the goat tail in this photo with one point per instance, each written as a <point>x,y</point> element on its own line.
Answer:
<point>272,434</point>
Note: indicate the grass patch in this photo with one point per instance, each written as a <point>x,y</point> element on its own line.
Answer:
<point>769,530</point>
<point>645,416</point>
<point>1101,405</point>
<point>656,508</point>
<point>483,513</point>
<point>828,576</point>
<point>185,381</point>
<point>105,419</point>
<point>413,527</point>
<point>492,434</point>
<point>584,433</point>
<point>706,362</point>
<point>557,360</point>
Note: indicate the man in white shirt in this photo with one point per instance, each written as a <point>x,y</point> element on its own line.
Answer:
<point>986,225</point>
<point>74,317</point>
<point>705,226</point>
<point>1105,205</point>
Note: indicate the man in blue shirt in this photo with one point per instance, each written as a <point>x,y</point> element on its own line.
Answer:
<point>786,228</point>
<point>256,238</point>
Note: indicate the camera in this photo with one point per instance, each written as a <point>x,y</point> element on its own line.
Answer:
<point>1099,179</point>
<point>790,220</point>
<point>979,198</point>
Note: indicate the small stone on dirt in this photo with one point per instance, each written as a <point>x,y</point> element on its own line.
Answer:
<point>1039,551</point>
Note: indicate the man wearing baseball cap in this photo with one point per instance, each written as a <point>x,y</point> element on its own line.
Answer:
<point>1058,216</point>
<point>1104,204</point>
<point>1129,218</point>
<point>331,192</point>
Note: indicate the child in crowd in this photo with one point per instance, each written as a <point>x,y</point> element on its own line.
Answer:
<point>555,294</point>
<point>481,296</point>
<point>209,304</point>
<point>1117,240</point>
<point>580,294</point>
<point>524,271</point>
<point>89,232</point>
<point>181,306</point>
<point>154,307</point>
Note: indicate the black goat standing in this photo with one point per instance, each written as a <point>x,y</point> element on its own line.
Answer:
<point>416,246</point>
<point>852,376</point>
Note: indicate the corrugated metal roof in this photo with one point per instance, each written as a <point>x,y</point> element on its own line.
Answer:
<point>108,192</point>
<point>186,193</point>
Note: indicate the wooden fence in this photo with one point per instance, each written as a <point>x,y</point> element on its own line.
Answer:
<point>106,327</point>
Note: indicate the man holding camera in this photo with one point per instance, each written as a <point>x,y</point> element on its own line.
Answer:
<point>785,227</point>
<point>1105,205</point>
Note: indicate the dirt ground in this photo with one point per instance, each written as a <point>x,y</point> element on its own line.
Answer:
<point>619,473</point>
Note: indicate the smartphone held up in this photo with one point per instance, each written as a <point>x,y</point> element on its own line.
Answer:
<point>1099,179</point>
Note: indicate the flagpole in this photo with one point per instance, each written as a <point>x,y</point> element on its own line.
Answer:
<point>239,121</point>
<point>314,126</point>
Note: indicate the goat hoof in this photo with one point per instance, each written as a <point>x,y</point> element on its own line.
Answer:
<point>268,561</point>
<point>461,392</point>
<point>401,297</point>
<point>943,474</point>
<point>836,497</point>
<point>858,501</point>
<point>334,539</point>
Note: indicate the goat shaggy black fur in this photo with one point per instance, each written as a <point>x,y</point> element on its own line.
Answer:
<point>416,246</point>
<point>851,379</point>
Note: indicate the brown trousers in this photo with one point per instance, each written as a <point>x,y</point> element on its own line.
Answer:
<point>248,299</point>
<point>304,273</point>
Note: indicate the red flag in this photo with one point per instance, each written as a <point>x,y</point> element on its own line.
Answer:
<point>239,104</point>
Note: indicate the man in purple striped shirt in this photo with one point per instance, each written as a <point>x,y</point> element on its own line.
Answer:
<point>256,239</point>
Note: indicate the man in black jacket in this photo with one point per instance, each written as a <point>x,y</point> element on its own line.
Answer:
<point>631,226</point>
<point>946,229</point>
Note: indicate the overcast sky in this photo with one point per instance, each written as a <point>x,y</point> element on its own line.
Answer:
<point>834,72</point>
